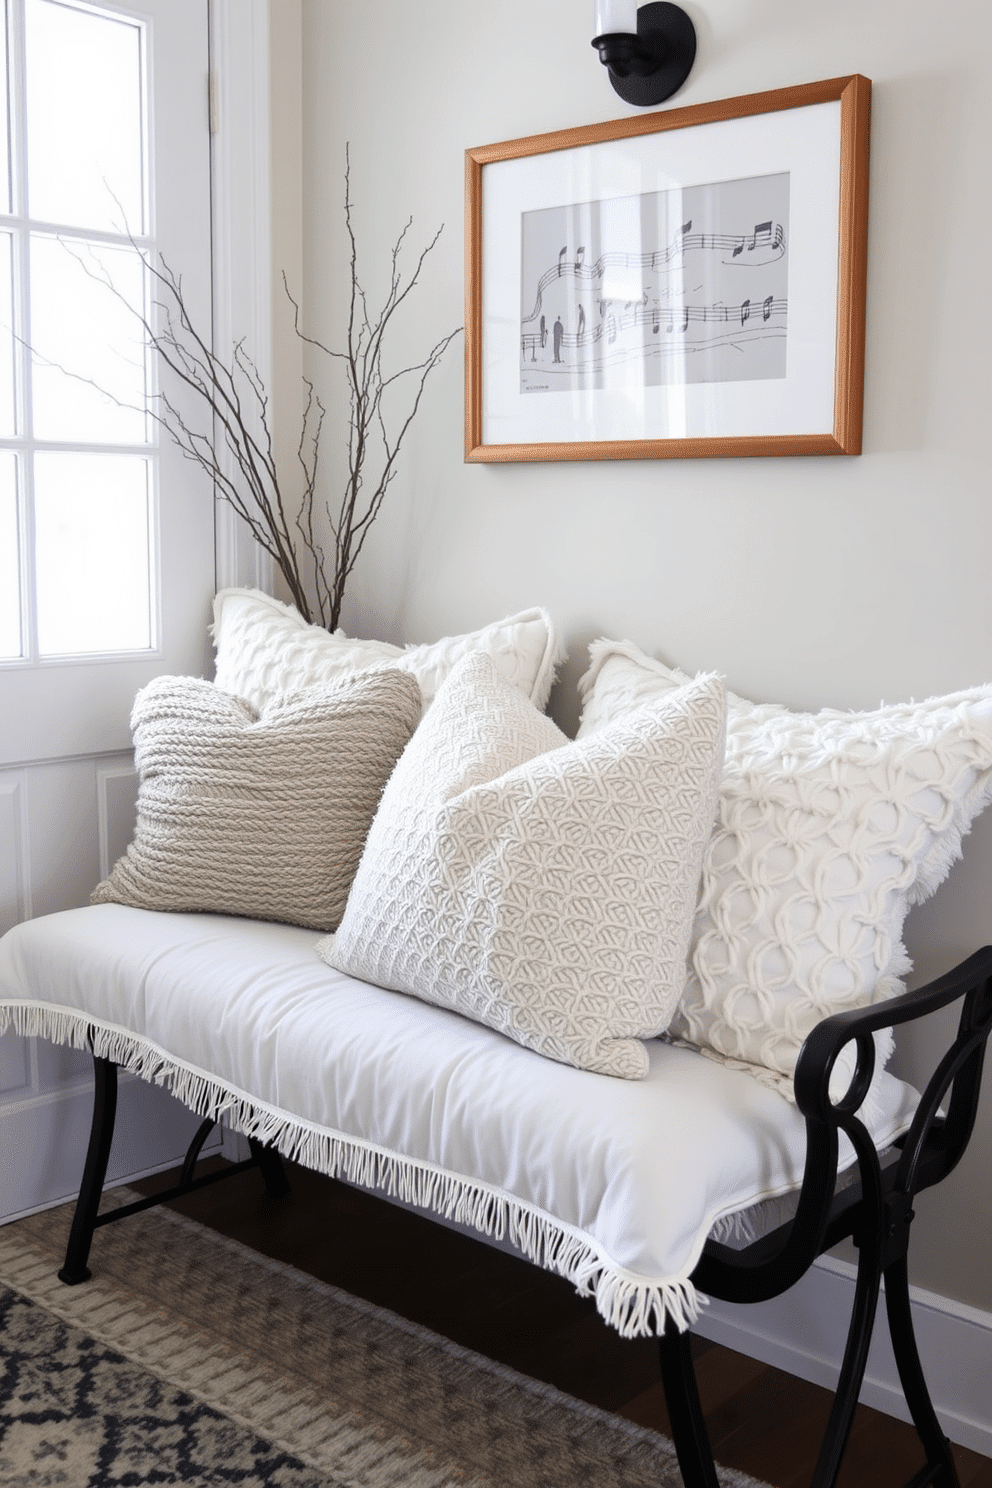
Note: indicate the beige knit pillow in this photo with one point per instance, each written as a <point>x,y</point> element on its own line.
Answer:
<point>258,815</point>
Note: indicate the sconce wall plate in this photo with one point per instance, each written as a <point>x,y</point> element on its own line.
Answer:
<point>670,34</point>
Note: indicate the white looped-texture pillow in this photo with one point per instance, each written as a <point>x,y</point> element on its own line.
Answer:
<point>540,886</point>
<point>253,815</point>
<point>265,648</point>
<point>829,827</point>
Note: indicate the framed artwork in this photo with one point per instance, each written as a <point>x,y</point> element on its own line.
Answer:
<point>683,283</point>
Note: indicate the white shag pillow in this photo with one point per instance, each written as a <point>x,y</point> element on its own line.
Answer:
<point>265,648</point>
<point>540,886</point>
<point>253,815</point>
<point>830,826</point>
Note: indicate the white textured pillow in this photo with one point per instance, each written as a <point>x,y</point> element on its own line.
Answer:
<point>830,826</point>
<point>262,816</point>
<point>265,648</point>
<point>541,886</point>
<point>622,677</point>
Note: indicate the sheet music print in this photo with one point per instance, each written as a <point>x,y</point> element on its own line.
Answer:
<point>683,286</point>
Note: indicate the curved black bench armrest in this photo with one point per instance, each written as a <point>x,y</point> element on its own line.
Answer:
<point>933,1145</point>
<point>931,1148</point>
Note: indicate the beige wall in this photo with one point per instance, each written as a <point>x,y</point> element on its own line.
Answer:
<point>818,581</point>
<point>286,135</point>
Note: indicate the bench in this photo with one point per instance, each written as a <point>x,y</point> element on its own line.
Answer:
<point>704,1173</point>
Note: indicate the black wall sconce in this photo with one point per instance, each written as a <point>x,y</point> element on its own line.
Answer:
<point>649,50</point>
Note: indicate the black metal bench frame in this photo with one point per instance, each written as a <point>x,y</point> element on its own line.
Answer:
<point>876,1211</point>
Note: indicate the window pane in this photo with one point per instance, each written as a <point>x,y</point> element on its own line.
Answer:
<point>86,139</point>
<point>6,339</point>
<point>88,345</point>
<point>10,583</point>
<point>92,553</point>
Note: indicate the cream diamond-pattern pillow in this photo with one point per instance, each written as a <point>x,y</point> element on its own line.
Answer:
<point>829,827</point>
<point>541,886</point>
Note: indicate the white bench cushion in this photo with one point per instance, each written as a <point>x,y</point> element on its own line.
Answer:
<point>612,1183</point>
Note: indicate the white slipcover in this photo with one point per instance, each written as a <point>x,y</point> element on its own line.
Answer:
<point>611,1183</point>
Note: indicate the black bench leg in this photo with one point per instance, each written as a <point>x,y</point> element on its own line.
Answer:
<point>97,1156</point>
<point>943,1473</point>
<point>852,1370</point>
<point>692,1443</point>
<point>270,1165</point>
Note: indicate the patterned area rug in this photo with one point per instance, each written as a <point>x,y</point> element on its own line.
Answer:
<point>189,1359</point>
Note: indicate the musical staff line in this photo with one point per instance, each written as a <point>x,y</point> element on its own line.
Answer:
<point>669,321</point>
<point>768,236</point>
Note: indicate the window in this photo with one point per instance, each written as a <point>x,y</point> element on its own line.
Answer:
<point>78,457</point>
<point>106,533</point>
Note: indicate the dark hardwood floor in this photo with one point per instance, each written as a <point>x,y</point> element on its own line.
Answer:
<point>762,1421</point>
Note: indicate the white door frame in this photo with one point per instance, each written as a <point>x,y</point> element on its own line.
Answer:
<point>241,268</point>
<point>241,207</point>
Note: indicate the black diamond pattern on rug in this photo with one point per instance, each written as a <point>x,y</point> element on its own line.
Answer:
<point>75,1414</point>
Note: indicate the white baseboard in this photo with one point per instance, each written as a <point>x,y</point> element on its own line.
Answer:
<point>804,1332</point>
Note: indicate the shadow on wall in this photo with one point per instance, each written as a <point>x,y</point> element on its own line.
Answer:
<point>565,705</point>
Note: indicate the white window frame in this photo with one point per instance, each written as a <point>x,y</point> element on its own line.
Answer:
<point>241,229</point>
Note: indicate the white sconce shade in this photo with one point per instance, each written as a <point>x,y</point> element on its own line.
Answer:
<point>614,16</point>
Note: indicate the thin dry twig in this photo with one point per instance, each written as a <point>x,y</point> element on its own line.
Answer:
<point>232,442</point>
<point>369,428</point>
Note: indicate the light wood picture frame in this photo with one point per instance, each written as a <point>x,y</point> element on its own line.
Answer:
<point>708,296</point>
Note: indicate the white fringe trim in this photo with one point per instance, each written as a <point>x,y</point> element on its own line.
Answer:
<point>634,1307</point>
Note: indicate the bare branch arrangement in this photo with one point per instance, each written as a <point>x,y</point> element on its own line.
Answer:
<point>233,443</point>
<point>368,426</point>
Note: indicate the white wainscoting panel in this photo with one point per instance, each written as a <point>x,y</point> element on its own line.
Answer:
<point>116,799</point>
<point>43,1141</point>
<point>15,1067</point>
<point>15,871</point>
<point>62,824</point>
<point>54,1066</point>
<point>62,811</point>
